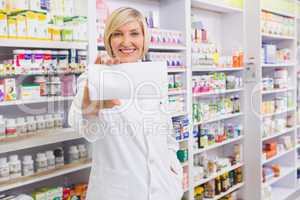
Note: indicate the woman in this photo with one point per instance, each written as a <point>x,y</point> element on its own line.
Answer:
<point>129,162</point>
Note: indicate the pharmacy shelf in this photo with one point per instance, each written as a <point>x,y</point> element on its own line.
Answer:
<point>39,138</point>
<point>279,113</point>
<point>215,175</point>
<point>279,12</point>
<point>215,6</point>
<point>40,100</point>
<point>298,164</point>
<point>270,37</point>
<point>159,47</point>
<point>217,92</point>
<point>220,118</point>
<point>176,92</point>
<point>38,74</point>
<point>232,189</point>
<point>167,47</point>
<point>279,155</point>
<point>275,91</point>
<point>284,171</point>
<point>42,44</point>
<point>217,145</point>
<point>280,193</point>
<point>177,70</point>
<point>42,176</point>
<point>278,65</point>
<point>178,114</point>
<point>205,68</point>
<point>280,133</point>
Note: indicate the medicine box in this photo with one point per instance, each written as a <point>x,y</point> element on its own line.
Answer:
<point>10,89</point>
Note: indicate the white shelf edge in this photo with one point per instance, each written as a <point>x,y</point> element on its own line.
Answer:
<point>280,13</point>
<point>159,47</point>
<point>274,91</point>
<point>218,93</point>
<point>204,68</point>
<point>283,132</point>
<point>285,171</point>
<point>215,7</point>
<point>176,70</point>
<point>23,181</point>
<point>279,113</point>
<point>228,169</point>
<point>40,100</point>
<point>176,92</point>
<point>276,37</point>
<point>278,156</point>
<point>279,193</point>
<point>217,145</point>
<point>224,117</point>
<point>278,65</point>
<point>43,44</point>
<point>178,114</point>
<point>40,138</point>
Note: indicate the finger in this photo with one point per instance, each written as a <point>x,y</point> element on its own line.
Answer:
<point>110,61</point>
<point>98,60</point>
<point>116,102</point>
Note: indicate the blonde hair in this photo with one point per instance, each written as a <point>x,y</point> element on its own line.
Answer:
<point>119,18</point>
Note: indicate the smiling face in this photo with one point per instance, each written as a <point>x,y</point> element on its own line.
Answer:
<point>127,42</point>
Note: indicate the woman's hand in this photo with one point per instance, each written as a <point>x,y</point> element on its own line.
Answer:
<point>92,108</point>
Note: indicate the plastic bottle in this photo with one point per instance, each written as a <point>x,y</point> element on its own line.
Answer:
<point>11,128</point>
<point>50,159</point>
<point>40,121</point>
<point>41,80</point>
<point>14,166</point>
<point>31,124</point>
<point>28,166</point>
<point>2,127</point>
<point>4,169</point>
<point>59,157</point>
<point>73,154</point>
<point>21,126</point>
<point>41,162</point>
<point>83,154</point>
<point>58,120</point>
<point>49,121</point>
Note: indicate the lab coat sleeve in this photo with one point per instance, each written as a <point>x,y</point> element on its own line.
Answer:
<point>173,147</point>
<point>90,128</point>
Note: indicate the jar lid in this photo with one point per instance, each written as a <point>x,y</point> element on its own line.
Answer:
<point>13,158</point>
<point>30,119</point>
<point>10,122</point>
<point>27,158</point>
<point>48,52</point>
<point>20,120</point>
<point>39,118</point>
<point>73,149</point>
<point>54,52</point>
<point>3,161</point>
<point>81,147</point>
<point>41,156</point>
<point>19,51</point>
<point>49,154</point>
<point>28,52</point>
<point>58,152</point>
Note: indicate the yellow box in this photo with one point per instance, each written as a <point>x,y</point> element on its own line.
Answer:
<point>21,27</point>
<point>31,19</point>
<point>12,26</point>
<point>3,25</point>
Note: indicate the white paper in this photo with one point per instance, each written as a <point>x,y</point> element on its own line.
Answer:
<point>142,80</point>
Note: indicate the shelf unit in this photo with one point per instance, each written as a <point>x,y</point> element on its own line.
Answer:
<point>219,19</point>
<point>46,139</point>
<point>282,187</point>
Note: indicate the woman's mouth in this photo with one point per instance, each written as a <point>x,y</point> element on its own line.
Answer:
<point>127,50</point>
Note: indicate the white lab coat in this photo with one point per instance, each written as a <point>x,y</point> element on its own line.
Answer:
<point>131,160</point>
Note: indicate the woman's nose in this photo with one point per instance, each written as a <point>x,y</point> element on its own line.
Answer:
<point>126,39</point>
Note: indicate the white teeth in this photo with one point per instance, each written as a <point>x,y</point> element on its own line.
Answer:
<point>127,50</point>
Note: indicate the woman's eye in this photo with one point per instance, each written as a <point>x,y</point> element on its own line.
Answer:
<point>116,34</point>
<point>135,33</point>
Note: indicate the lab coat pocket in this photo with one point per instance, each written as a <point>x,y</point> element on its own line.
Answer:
<point>116,184</point>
